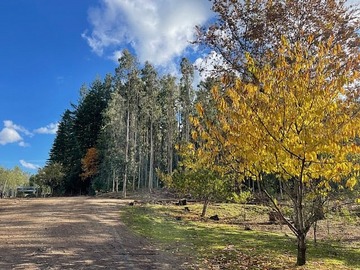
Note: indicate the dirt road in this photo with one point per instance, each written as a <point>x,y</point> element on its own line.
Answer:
<point>72,233</point>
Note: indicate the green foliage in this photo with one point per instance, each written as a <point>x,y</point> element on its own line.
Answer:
<point>52,176</point>
<point>242,197</point>
<point>202,184</point>
<point>10,179</point>
<point>79,130</point>
<point>131,119</point>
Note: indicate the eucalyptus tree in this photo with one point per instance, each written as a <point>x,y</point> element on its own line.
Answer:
<point>128,83</point>
<point>169,92</point>
<point>186,98</point>
<point>152,112</point>
<point>112,142</point>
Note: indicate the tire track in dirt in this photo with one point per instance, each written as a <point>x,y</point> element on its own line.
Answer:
<point>73,233</point>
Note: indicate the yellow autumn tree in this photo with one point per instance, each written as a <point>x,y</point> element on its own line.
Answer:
<point>297,120</point>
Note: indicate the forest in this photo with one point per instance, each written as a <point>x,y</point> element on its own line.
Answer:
<point>122,132</point>
<point>277,114</point>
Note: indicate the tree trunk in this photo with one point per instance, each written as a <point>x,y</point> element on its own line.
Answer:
<point>139,168</point>
<point>4,187</point>
<point>258,185</point>
<point>315,231</point>
<point>299,222</point>
<point>205,205</point>
<point>170,152</point>
<point>301,250</point>
<point>281,189</point>
<point>146,160</point>
<point>151,165</point>
<point>126,152</point>
<point>113,181</point>
<point>134,168</point>
<point>116,184</point>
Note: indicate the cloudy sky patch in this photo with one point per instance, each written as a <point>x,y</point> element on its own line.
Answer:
<point>8,135</point>
<point>28,165</point>
<point>49,129</point>
<point>11,133</point>
<point>158,30</point>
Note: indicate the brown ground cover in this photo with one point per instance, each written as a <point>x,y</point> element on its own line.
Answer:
<point>73,233</point>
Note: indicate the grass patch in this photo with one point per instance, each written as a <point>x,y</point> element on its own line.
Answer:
<point>226,245</point>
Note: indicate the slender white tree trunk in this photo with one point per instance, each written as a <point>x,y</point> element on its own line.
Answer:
<point>126,152</point>
<point>151,168</point>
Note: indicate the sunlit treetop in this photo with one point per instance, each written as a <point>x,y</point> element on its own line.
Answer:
<point>298,120</point>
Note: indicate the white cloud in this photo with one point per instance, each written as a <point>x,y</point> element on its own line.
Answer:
<point>11,125</point>
<point>23,144</point>
<point>158,30</point>
<point>28,165</point>
<point>49,129</point>
<point>8,135</point>
<point>11,134</point>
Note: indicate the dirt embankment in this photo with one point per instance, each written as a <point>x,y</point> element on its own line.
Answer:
<point>73,233</point>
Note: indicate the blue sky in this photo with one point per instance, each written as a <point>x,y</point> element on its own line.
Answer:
<point>49,48</point>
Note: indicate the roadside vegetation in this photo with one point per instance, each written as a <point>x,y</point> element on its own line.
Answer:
<point>235,243</point>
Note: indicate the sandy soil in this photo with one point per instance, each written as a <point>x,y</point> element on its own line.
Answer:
<point>73,233</point>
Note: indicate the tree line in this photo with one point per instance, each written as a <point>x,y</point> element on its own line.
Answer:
<point>10,179</point>
<point>122,131</point>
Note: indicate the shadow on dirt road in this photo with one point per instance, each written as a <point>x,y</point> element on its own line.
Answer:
<point>73,233</point>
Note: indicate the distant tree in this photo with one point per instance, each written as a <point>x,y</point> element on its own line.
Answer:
<point>66,151</point>
<point>88,114</point>
<point>186,98</point>
<point>10,179</point>
<point>199,176</point>
<point>51,176</point>
<point>90,164</point>
<point>78,131</point>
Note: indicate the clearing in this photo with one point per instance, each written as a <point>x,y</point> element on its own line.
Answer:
<point>73,233</point>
